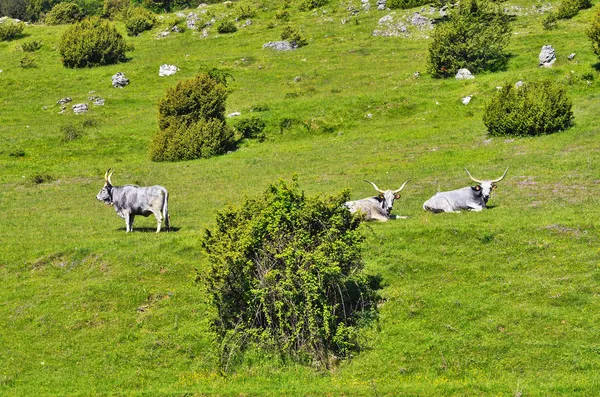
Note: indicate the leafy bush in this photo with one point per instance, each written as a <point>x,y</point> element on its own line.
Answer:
<point>550,21</point>
<point>593,32</point>
<point>63,13</point>
<point>282,15</point>
<point>246,12</point>
<point>92,42</point>
<point>531,109</point>
<point>112,8</point>
<point>405,4</point>
<point>286,274</point>
<point>139,20</point>
<point>31,46</point>
<point>11,30</point>
<point>292,35</point>
<point>307,5</point>
<point>27,62</point>
<point>226,27</point>
<point>70,132</point>
<point>474,37</point>
<point>192,121</point>
<point>569,8</point>
<point>251,128</point>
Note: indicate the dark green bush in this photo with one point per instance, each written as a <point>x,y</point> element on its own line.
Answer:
<point>307,5</point>
<point>31,46</point>
<point>139,20</point>
<point>251,128</point>
<point>92,42</point>
<point>11,30</point>
<point>63,13</point>
<point>27,62</point>
<point>593,32</point>
<point>292,35</point>
<point>569,8</point>
<point>286,274</point>
<point>112,8</point>
<point>473,37</point>
<point>532,109</point>
<point>405,4</point>
<point>226,27</point>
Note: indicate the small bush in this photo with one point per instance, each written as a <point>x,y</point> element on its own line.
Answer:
<point>282,15</point>
<point>286,274</point>
<point>532,109</point>
<point>307,5</point>
<point>17,153</point>
<point>550,21</point>
<point>27,62</point>
<point>31,46</point>
<point>292,35</point>
<point>92,42</point>
<point>70,132</point>
<point>251,128</point>
<point>41,178</point>
<point>593,32</point>
<point>226,27</point>
<point>112,8</point>
<point>11,30</point>
<point>474,37</point>
<point>139,20</point>
<point>569,8</point>
<point>245,12</point>
<point>405,4</point>
<point>63,13</point>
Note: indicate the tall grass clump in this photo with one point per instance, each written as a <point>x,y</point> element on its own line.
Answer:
<point>10,30</point>
<point>92,42</point>
<point>191,120</point>
<point>63,13</point>
<point>286,275</point>
<point>474,37</point>
<point>535,108</point>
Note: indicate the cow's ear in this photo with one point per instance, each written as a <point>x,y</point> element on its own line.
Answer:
<point>494,187</point>
<point>397,196</point>
<point>476,188</point>
<point>380,195</point>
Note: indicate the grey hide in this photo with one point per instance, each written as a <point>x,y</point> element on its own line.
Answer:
<point>377,207</point>
<point>131,200</point>
<point>472,198</point>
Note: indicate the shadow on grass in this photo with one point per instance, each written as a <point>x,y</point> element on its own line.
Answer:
<point>151,229</point>
<point>596,67</point>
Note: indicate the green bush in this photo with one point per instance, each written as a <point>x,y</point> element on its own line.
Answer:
<point>112,8</point>
<point>593,32</point>
<point>405,4</point>
<point>31,46</point>
<point>569,8</point>
<point>92,42</point>
<point>63,13</point>
<point>292,35</point>
<point>139,20</point>
<point>307,5</point>
<point>286,274</point>
<point>251,128</point>
<point>473,37</point>
<point>11,30</point>
<point>226,27</point>
<point>245,12</point>
<point>27,62</point>
<point>550,21</point>
<point>200,139</point>
<point>532,109</point>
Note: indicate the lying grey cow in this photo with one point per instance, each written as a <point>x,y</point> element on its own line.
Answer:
<point>377,207</point>
<point>130,200</point>
<point>472,198</point>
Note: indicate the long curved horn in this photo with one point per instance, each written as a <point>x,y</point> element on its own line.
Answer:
<point>106,175</point>
<point>502,177</point>
<point>473,179</point>
<point>109,175</point>
<point>401,187</point>
<point>375,186</point>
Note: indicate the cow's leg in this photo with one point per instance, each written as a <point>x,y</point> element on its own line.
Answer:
<point>158,216</point>
<point>129,221</point>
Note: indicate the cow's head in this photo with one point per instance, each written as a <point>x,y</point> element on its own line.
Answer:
<point>105,195</point>
<point>387,197</point>
<point>484,188</point>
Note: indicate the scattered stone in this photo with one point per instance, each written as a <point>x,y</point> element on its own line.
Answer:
<point>390,27</point>
<point>369,115</point>
<point>80,108</point>
<point>519,84</point>
<point>280,45</point>
<point>205,32</point>
<point>192,20</point>
<point>464,74</point>
<point>247,23</point>
<point>167,70</point>
<point>498,87</point>
<point>44,107</point>
<point>297,79</point>
<point>202,5</point>
<point>62,109</point>
<point>444,11</point>
<point>176,29</point>
<point>416,75</point>
<point>64,100</point>
<point>180,15</point>
<point>96,100</point>
<point>466,100</point>
<point>421,22</point>
<point>234,114</point>
<point>547,56</point>
<point>366,5</point>
<point>381,5</point>
<point>164,34</point>
<point>119,80</point>
<point>570,57</point>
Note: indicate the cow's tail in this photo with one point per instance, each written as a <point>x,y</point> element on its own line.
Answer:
<point>165,211</point>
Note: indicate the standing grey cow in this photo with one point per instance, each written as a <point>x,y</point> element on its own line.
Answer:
<point>377,207</point>
<point>472,198</point>
<point>131,200</point>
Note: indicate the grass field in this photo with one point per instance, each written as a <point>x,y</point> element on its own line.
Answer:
<point>504,302</point>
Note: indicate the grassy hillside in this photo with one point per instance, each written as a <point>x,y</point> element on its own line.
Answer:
<point>502,302</point>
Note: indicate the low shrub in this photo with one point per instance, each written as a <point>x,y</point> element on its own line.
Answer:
<point>245,12</point>
<point>63,13</point>
<point>405,4</point>
<point>282,15</point>
<point>112,8</point>
<point>226,27</point>
<point>569,8</point>
<point>532,109</point>
<point>92,42</point>
<point>286,274</point>
<point>139,20</point>
<point>550,21</point>
<point>10,30</point>
<point>31,46</point>
<point>41,178</point>
<point>70,132</point>
<point>292,35</point>
<point>27,62</point>
<point>251,128</point>
<point>307,5</point>
<point>593,32</point>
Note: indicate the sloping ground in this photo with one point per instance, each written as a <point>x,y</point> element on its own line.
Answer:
<point>502,302</point>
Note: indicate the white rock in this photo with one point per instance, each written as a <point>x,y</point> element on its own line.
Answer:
<point>167,70</point>
<point>464,74</point>
<point>234,114</point>
<point>466,100</point>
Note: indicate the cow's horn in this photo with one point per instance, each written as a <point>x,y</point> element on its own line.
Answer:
<point>473,179</point>
<point>401,187</point>
<point>109,175</point>
<point>375,186</point>
<point>106,175</point>
<point>502,177</point>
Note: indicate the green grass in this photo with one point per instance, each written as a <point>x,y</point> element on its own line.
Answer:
<point>500,302</point>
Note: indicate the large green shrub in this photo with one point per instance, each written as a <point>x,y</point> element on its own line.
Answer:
<point>286,274</point>
<point>532,109</point>
<point>191,118</point>
<point>405,4</point>
<point>473,37</point>
<point>138,20</point>
<point>11,30</point>
<point>92,42</point>
<point>63,13</point>
<point>593,33</point>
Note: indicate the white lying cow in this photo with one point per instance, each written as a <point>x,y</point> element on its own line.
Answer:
<point>472,198</point>
<point>377,207</point>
